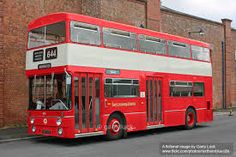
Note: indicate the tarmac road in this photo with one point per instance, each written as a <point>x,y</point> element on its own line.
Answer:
<point>141,144</point>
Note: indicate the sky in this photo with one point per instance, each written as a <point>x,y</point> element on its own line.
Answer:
<point>210,9</point>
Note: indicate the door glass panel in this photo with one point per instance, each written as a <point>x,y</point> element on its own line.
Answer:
<point>151,100</point>
<point>159,101</point>
<point>147,98</point>
<point>83,102</point>
<point>155,100</point>
<point>76,86</point>
<point>90,102</point>
<point>97,101</point>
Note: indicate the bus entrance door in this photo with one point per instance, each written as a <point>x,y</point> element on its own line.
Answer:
<point>87,92</point>
<point>154,100</point>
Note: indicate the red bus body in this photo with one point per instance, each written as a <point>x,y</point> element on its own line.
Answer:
<point>170,110</point>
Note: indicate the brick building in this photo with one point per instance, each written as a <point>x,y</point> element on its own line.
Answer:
<point>15,15</point>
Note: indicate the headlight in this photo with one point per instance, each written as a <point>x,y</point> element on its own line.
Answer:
<point>59,121</point>
<point>33,129</point>
<point>32,121</point>
<point>60,131</point>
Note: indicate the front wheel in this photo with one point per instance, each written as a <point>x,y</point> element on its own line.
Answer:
<point>190,119</point>
<point>115,127</point>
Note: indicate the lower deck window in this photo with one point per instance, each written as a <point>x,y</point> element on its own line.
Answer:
<point>198,89</point>
<point>180,89</point>
<point>121,88</point>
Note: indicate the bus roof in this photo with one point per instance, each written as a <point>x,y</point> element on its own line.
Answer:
<point>63,16</point>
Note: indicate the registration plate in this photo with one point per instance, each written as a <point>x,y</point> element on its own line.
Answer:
<point>46,132</point>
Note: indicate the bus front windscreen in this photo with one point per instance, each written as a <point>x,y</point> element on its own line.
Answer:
<point>47,35</point>
<point>50,92</point>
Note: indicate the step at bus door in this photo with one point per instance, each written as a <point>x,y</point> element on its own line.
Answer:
<point>87,91</point>
<point>154,100</point>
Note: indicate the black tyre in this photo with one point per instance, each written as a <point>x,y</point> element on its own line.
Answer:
<point>115,127</point>
<point>190,119</point>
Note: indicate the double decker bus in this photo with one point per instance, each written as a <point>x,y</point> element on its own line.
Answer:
<point>89,77</point>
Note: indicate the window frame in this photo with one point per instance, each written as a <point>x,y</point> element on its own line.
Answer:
<point>161,41</point>
<point>171,43</point>
<point>134,82</point>
<point>45,29</point>
<point>187,85</point>
<point>209,52</point>
<point>115,32</point>
<point>68,90</point>
<point>203,95</point>
<point>99,30</point>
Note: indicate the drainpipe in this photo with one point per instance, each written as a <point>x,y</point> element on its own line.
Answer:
<point>223,75</point>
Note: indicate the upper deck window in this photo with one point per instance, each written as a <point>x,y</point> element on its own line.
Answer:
<point>47,35</point>
<point>85,33</point>
<point>152,44</point>
<point>119,39</point>
<point>177,49</point>
<point>200,53</point>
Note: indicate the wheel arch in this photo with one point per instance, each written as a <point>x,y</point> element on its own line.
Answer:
<point>120,114</point>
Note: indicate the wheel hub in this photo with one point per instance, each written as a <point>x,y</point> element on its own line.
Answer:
<point>115,126</point>
<point>190,119</point>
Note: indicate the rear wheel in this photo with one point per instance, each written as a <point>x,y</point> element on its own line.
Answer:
<point>190,119</point>
<point>115,127</point>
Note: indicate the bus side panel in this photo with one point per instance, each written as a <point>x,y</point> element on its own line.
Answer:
<point>174,110</point>
<point>135,122</point>
<point>204,116</point>
<point>174,118</point>
<point>132,108</point>
<point>201,116</point>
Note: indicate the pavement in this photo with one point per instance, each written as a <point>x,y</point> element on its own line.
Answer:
<point>20,133</point>
<point>15,134</point>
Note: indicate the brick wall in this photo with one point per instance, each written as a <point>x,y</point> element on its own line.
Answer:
<point>91,8</point>
<point>180,24</point>
<point>1,65</point>
<point>132,12</point>
<point>153,15</point>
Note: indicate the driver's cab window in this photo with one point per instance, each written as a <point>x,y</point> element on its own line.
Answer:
<point>58,95</point>
<point>50,92</point>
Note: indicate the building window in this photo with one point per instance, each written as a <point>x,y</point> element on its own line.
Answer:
<point>85,33</point>
<point>200,53</point>
<point>152,45</point>
<point>121,88</point>
<point>177,49</point>
<point>180,89</point>
<point>119,39</point>
<point>198,89</point>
